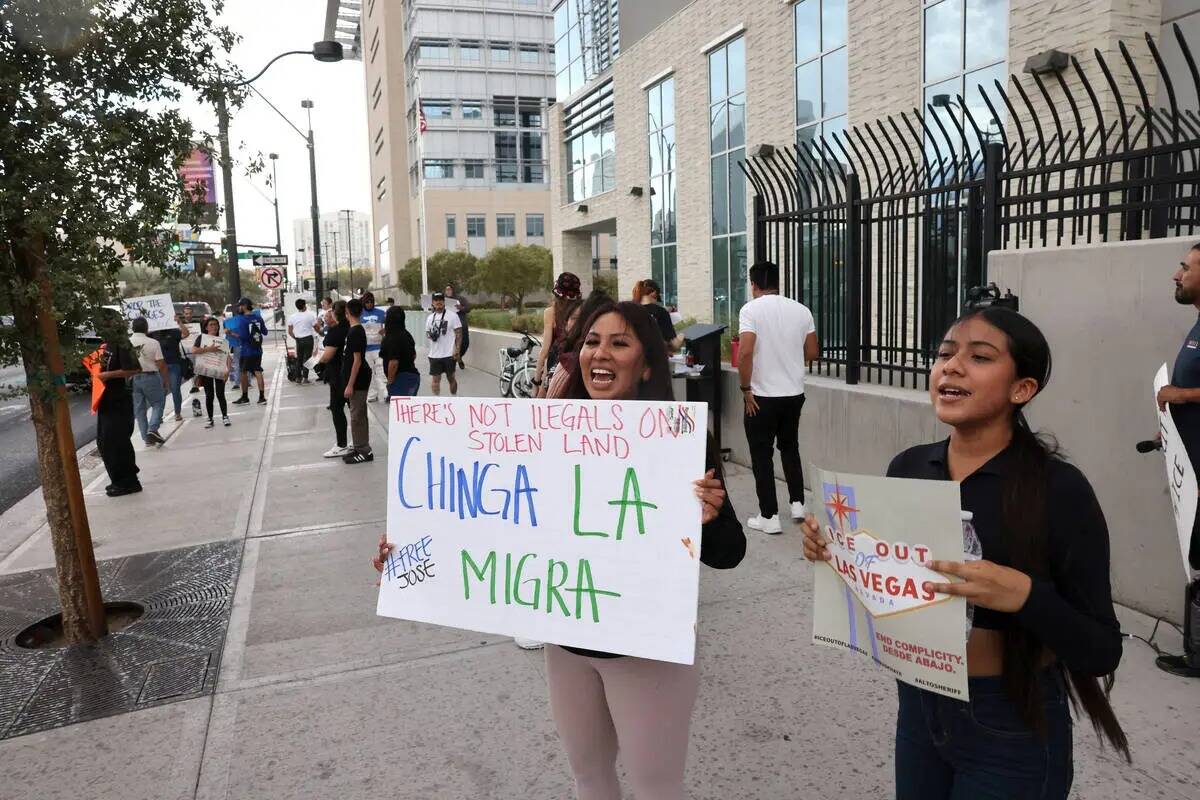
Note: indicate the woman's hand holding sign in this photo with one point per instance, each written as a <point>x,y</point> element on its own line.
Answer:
<point>985,584</point>
<point>814,543</point>
<point>711,492</point>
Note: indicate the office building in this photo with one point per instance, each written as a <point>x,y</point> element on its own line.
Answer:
<point>346,241</point>
<point>478,77</point>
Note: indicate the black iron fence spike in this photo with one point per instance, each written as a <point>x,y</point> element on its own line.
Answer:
<point>1117,97</point>
<point>1165,75</point>
<point>1095,101</point>
<point>1058,128</point>
<point>1187,56</point>
<point>1138,82</point>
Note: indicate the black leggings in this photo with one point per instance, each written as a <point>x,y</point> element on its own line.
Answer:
<point>337,409</point>
<point>213,385</point>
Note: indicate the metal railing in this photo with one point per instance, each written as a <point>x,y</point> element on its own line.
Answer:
<point>880,230</point>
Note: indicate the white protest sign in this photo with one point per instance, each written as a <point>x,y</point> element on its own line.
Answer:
<point>566,521</point>
<point>158,310</point>
<point>874,598</point>
<point>1181,480</point>
<point>213,364</point>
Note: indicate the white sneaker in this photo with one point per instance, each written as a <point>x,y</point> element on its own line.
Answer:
<point>799,512</point>
<point>337,452</point>
<point>765,524</point>
<point>528,644</point>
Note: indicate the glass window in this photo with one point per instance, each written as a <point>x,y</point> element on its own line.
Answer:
<point>437,109</point>
<point>437,51</point>
<point>476,227</point>
<point>506,146</point>
<point>821,84</point>
<point>718,84</point>
<point>468,52</point>
<point>833,84</point>
<point>504,115</point>
<point>533,173</point>
<point>720,280</point>
<point>506,171</point>
<point>473,169</point>
<point>943,39</point>
<point>560,21</point>
<point>808,92</point>
<point>439,169</point>
<point>500,55</point>
<point>531,118</point>
<point>535,226</point>
<point>966,47</point>
<point>506,226</point>
<point>807,25</point>
<point>530,55</point>
<point>720,196</point>
<point>737,121</point>
<point>590,157</point>
<point>451,227</point>
<point>472,109</point>
<point>727,138</point>
<point>833,23</point>
<point>737,66</point>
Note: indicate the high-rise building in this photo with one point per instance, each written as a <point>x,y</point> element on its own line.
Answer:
<point>345,242</point>
<point>477,76</point>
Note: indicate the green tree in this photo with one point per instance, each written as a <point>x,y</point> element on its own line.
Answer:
<point>90,146</point>
<point>515,272</point>
<point>445,267</point>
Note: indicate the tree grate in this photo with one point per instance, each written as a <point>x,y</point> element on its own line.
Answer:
<point>171,653</point>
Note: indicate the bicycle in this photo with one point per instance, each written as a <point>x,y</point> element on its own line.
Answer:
<point>518,368</point>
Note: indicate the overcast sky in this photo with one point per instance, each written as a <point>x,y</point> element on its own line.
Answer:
<point>267,28</point>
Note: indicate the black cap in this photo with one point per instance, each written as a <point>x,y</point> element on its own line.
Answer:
<point>439,296</point>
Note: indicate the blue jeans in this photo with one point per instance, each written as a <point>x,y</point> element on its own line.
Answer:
<point>950,750</point>
<point>405,385</point>
<point>235,372</point>
<point>149,396</point>
<point>175,374</point>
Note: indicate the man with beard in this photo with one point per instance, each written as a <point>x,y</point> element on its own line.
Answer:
<point>1183,396</point>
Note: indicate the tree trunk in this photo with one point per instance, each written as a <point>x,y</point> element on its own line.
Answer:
<point>74,559</point>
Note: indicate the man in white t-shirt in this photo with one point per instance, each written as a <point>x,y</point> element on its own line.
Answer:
<point>301,328</point>
<point>443,336</point>
<point>150,385</point>
<point>778,338</point>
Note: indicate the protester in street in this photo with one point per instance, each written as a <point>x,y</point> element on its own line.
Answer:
<point>150,385</point>
<point>357,380</point>
<point>372,323</point>
<point>1044,630</point>
<point>331,372</point>
<point>169,340</point>
<point>778,339</point>
<point>301,328</point>
<point>191,323</point>
<point>1183,397</point>
<point>324,317</point>
<point>463,310</point>
<point>251,331</point>
<point>235,347</point>
<point>114,418</point>
<point>651,298</point>
<point>568,355</point>
<point>602,701</point>
<point>443,332</point>
<point>554,326</point>
<point>398,356</point>
<point>214,387</point>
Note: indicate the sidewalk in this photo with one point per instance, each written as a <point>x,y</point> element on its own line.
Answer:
<point>318,698</point>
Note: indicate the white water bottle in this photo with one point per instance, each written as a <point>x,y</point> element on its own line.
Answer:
<point>972,551</point>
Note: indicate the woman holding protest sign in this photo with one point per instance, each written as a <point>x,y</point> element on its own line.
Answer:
<point>1044,631</point>
<point>214,386</point>
<point>601,700</point>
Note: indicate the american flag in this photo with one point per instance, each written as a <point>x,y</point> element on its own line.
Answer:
<point>424,126</point>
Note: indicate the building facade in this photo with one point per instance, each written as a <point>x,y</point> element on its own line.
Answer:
<point>346,241</point>
<point>457,93</point>
<point>670,96</point>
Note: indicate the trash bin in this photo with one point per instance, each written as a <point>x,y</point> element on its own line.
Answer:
<point>704,384</point>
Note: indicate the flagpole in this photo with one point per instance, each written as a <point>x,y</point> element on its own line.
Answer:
<point>421,125</point>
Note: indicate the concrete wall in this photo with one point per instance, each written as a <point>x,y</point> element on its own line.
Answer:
<point>1110,316</point>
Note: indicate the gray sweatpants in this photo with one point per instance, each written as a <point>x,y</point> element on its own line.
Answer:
<point>643,707</point>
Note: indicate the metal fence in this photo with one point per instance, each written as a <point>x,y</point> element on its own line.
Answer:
<point>880,230</point>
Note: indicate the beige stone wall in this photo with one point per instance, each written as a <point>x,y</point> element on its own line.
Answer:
<point>486,202</point>
<point>884,57</point>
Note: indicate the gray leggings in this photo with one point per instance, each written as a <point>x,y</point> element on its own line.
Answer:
<point>643,706</point>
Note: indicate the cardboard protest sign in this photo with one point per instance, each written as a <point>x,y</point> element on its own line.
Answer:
<point>158,310</point>
<point>1181,479</point>
<point>566,521</point>
<point>874,598</point>
<point>213,364</point>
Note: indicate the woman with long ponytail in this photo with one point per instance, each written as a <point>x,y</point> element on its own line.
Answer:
<point>1044,638</point>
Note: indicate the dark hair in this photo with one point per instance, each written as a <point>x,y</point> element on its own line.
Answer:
<point>354,307</point>
<point>389,301</point>
<point>654,351</point>
<point>594,301</point>
<point>1024,508</point>
<point>339,310</point>
<point>367,297</point>
<point>300,304</point>
<point>650,286</point>
<point>393,320</point>
<point>140,325</point>
<point>765,275</point>
<point>247,302</point>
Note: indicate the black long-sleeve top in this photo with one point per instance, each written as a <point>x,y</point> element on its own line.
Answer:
<point>1070,608</point>
<point>722,541</point>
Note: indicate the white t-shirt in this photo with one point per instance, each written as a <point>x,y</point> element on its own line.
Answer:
<point>302,323</point>
<point>780,325</point>
<point>446,323</point>
<point>148,351</point>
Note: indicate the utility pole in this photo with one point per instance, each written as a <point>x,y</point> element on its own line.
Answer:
<point>275,185</point>
<point>316,213</point>
<point>232,276</point>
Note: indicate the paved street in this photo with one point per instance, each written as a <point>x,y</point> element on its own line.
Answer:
<point>18,453</point>
<point>319,698</point>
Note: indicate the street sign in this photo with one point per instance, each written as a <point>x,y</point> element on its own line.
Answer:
<point>271,277</point>
<point>270,261</point>
<point>200,251</point>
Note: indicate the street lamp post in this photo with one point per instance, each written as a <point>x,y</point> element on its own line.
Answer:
<point>275,186</point>
<point>350,248</point>
<point>337,264</point>
<point>324,51</point>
